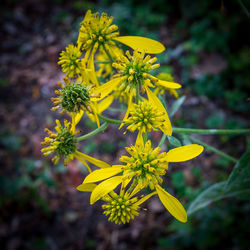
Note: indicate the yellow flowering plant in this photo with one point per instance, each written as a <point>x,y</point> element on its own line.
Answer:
<point>97,71</point>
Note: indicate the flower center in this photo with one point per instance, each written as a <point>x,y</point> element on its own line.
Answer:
<point>75,97</point>
<point>95,29</point>
<point>67,143</point>
<point>120,209</point>
<point>144,117</point>
<point>145,165</point>
<point>135,68</point>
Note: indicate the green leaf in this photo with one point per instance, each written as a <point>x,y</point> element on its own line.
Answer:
<point>176,105</point>
<point>240,176</point>
<point>174,141</point>
<point>211,194</point>
<point>237,185</point>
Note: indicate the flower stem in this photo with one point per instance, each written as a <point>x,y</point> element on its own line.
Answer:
<point>211,148</point>
<point>102,62</point>
<point>163,138</point>
<point>94,132</point>
<point>109,120</point>
<point>137,93</point>
<point>108,54</point>
<point>211,131</point>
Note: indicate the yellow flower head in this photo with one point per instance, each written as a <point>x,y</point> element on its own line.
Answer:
<point>70,61</point>
<point>144,117</point>
<point>134,69</point>
<point>96,30</point>
<point>62,142</point>
<point>145,165</point>
<point>144,168</point>
<point>74,97</point>
<point>120,208</point>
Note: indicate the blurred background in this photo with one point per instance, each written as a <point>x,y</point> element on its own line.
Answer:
<point>207,52</point>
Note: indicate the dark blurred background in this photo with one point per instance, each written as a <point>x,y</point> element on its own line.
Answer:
<point>207,52</point>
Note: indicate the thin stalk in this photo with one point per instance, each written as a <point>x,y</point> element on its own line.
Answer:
<point>211,148</point>
<point>108,54</point>
<point>211,131</point>
<point>163,138</point>
<point>94,132</point>
<point>109,120</point>
<point>145,137</point>
<point>102,62</point>
<point>137,93</point>
<point>117,109</point>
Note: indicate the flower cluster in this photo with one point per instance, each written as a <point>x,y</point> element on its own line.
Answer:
<point>97,71</point>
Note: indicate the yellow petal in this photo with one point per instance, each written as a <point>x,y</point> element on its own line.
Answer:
<point>137,189</point>
<point>83,161</point>
<point>78,117</point>
<point>141,43</point>
<point>101,174</point>
<point>96,162</point>
<point>166,128</point>
<point>104,104</point>
<point>172,204</point>
<point>86,187</point>
<point>169,85</point>
<point>93,107</point>
<point>91,67</point>
<point>128,109</point>
<point>139,139</point>
<point>108,87</point>
<point>139,202</point>
<point>184,153</point>
<point>126,182</point>
<point>104,188</point>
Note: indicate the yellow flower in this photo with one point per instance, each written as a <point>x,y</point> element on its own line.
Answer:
<point>70,61</point>
<point>133,74</point>
<point>64,144</point>
<point>98,31</point>
<point>122,207</point>
<point>169,78</point>
<point>76,98</point>
<point>145,167</point>
<point>146,117</point>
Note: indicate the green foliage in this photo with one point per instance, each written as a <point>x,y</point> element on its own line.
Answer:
<point>9,140</point>
<point>176,105</point>
<point>237,185</point>
<point>174,141</point>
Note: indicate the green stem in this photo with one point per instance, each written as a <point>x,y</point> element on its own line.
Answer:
<point>94,132</point>
<point>109,120</point>
<point>215,150</point>
<point>116,109</point>
<point>137,93</point>
<point>103,62</point>
<point>211,131</point>
<point>108,54</point>
<point>145,137</point>
<point>163,138</point>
